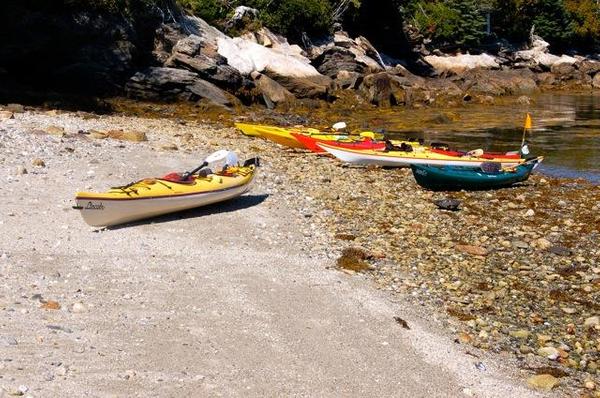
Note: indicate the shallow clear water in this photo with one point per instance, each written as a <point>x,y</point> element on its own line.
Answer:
<point>566,130</point>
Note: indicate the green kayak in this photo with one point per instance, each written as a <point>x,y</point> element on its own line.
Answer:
<point>453,178</point>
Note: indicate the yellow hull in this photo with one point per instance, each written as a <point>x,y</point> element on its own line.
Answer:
<point>283,136</point>
<point>155,196</point>
<point>280,136</point>
<point>252,130</point>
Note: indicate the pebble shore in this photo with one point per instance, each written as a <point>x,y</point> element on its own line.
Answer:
<point>514,271</point>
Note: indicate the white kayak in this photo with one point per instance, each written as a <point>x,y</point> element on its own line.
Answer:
<point>405,159</point>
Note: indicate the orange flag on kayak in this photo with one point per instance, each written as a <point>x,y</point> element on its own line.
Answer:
<point>528,122</point>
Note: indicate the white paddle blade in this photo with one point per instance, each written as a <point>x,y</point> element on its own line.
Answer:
<point>339,126</point>
<point>216,156</point>
<point>232,159</point>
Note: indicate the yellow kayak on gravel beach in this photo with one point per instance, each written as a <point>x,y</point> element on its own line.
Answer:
<point>252,129</point>
<point>284,136</point>
<point>156,196</point>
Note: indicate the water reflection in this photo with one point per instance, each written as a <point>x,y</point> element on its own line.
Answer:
<point>566,130</point>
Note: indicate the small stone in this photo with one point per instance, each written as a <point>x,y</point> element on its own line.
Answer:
<point>543,338</point>
<point>56,131</point>
<point>559,250</point>
<point>62,370</point>
<point>472,250</point>
<point>519,334</point>
<point>135,136</point>
<point>448,204</point>
<point>543,244</point>
<point>59,328</point>
<point>549,352</point>
<point>8,341</point>
<point>464,338</point>
<point>6,115</point>
<point>14,392</point>
<point>519,244</point>
<point>50,305</point>
<point>78,308</point>
<point>128,374</point>
<point>169,147</point>
<point>591,322</point>
<point>525,349</point>
<point>468,392</point>
<point>21,170</point>
<point>529,213</point>
<point>544,382</point>
<point>97,135</point>
<point>590,385</point>
<point>569,310</point>
<point>38,162</point>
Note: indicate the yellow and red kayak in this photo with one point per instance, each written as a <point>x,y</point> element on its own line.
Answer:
<point>156,196</point>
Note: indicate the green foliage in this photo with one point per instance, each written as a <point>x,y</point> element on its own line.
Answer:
<point>292,17</point>
<point>586,19</point>
<point>209,10</point>
<point>287,17</point>
<point>550,18</point>
<point>452,22</point>
<point>131,9</point>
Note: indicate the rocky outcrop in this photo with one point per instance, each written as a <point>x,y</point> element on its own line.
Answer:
<point>165,55</point>
<point>241,18</point>
<point>539,56</point>
<point>347,80</point>
<point>272,92</point>
<point>73,49</point>
<point>170,84</point>
<point>382,89</point>
<point>499,82</point>
<point>194,54</point>
<point>317,86</point>
<point>247,57</point>
<point>268,39</point>
<point>336,59</point>
<point>292,71</point>
<point>462,62</point>
<point>346,54</point>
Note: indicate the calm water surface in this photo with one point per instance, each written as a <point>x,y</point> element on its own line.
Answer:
<point>566,130</point>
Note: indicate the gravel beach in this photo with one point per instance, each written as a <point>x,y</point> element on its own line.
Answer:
<point>246,298</point>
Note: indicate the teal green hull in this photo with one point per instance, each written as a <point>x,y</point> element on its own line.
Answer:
<point>450,178</point>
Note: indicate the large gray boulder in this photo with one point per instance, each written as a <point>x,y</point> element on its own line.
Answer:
<point>201,89</point>
<point>498,82</point>
<point>170,84</point>
<point>317,86</point>
<point>272,92</point>
<point>336,59</point>
<point>343,53</point>
<point>383,89</point>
